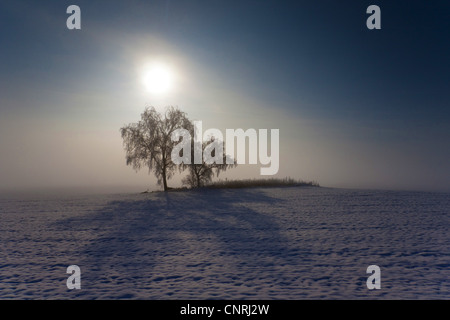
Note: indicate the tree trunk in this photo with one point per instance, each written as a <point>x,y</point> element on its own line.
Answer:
<point>198,180</point>
<point>164,179</point>
<point>164,168</point>
<point>165,183</point>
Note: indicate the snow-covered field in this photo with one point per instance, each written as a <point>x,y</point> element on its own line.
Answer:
<point>275,243</point>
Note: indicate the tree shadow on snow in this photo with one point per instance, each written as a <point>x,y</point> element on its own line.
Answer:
<point>163,235</point>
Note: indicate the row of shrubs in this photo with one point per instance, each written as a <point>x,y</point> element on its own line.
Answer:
<point>248,183</point>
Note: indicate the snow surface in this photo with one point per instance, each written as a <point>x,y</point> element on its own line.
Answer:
<point>273,243</point>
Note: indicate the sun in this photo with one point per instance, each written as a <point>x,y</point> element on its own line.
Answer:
<point>158,78</point>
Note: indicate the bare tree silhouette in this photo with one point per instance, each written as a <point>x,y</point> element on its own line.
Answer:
<point>202,173</point>
<point>148,142</point>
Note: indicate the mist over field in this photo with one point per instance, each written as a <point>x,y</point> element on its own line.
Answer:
<point>355,107</point>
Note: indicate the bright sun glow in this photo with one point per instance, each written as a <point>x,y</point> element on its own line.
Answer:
<point>158,78</point>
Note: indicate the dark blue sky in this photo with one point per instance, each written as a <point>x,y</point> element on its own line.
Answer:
<point>311,60</point>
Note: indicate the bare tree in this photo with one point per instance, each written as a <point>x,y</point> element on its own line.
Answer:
<point>148,142</point>
<point>202,173</point>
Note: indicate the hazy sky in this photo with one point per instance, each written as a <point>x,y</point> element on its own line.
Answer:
<point>355,107</point>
